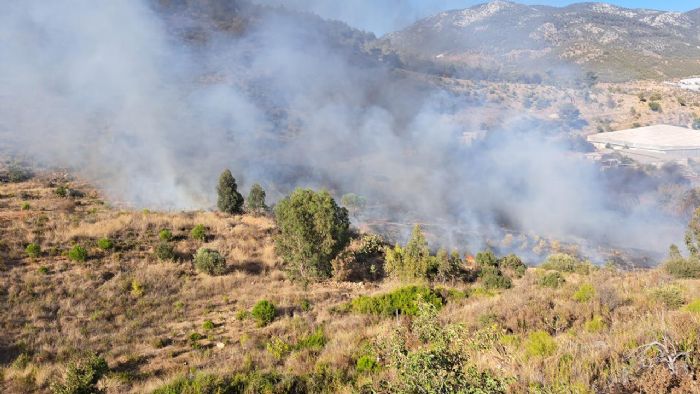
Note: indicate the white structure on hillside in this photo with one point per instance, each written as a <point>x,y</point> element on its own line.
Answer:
<point>655,143</point>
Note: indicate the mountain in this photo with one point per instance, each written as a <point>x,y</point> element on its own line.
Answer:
<point>618,43</point>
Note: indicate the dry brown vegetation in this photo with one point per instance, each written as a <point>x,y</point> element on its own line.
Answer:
<point>603,331</point>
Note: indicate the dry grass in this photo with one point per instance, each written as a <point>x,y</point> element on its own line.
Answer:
<point>120,302</point>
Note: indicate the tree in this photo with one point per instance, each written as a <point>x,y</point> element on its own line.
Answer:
<point>692,235</point>
<point>256,199</point>
<point>413,261</point>
<point>230,200</point>
<point>354,203</point>
<point>313,229</point>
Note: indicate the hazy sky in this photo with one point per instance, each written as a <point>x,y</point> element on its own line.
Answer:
<point>382,16</point>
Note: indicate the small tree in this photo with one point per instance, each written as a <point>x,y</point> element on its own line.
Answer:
<point>230,200</point>
<point>256,199</point>
<point>313,229</point>
<point>354,203</point>
<point>264,312</point>
<point>413,261</point>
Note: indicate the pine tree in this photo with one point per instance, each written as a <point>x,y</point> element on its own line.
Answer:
<point>230,200</point>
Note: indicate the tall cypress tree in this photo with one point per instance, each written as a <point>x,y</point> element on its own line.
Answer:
<point>230,200</point>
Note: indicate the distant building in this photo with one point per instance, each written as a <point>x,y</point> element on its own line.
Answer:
<point>658,143</point>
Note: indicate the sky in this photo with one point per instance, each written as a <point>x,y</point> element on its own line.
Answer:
<point>384,16</point>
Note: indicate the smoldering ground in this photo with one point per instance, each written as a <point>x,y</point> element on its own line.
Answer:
<point>151,100</point>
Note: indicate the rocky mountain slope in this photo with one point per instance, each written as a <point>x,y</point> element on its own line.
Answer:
<point>616,42</point>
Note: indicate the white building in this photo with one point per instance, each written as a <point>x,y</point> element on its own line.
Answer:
<point>655,143</point>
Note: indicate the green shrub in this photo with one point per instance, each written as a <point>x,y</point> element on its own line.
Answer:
<point>77,253</point>
<point>683,268</point>
<point>540,344</point>
<point>22,361</point>
<point>264,312</point>
<point>402,301</point>
<point>486,259</point>
<point>513,263</point>
<point>305,305</point>
<point>366,364</point>
<point>199,232</point>
<point>61,191</point>
<point>694,306</point>
<point>313,229</point>
<point>44,270</point>
<point>655,106</point>
<point>208,325</point>
<point>584,293</point>
<point>552,280</point>
<point>164,251</point>
<point>596,324</point>
<point>493,278</point>
<point>670,296</point>
<point>210,261</point>
<point>17,173</point>
<point>563,262</point>
<point>33,250</point>
<point>105,244</point>
<point>82,376</point>
<point>165,235</point>
<point>278,348</point>
<point>26,206</point>
<point>314,341</point>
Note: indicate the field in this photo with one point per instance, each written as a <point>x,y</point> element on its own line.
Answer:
<point>156,320</point>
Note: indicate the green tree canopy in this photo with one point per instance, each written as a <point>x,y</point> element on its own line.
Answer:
<point>313,229</point>
<point>256,199</point>
<point>230,200</point>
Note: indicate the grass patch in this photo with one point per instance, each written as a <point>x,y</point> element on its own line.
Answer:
<point>403,301</point>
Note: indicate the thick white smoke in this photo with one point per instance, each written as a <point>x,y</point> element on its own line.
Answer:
<point>141,104</point>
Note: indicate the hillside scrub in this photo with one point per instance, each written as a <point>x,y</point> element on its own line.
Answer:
<point>165,327</point>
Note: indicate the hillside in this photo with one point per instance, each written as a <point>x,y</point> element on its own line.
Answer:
<point>157,320</point>
<point>617,43</point>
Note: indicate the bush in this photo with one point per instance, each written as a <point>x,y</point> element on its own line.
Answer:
<point>61,191</point>
<point>513,263</point>
<point>552,280</point>
<point>165,235</point>
<point>402,301</point>
<point>210,261</point>
<point>26,206</point>
<point>486,259</point>
<point>264,312</point>
<point>18,173</point>
<point>313,229</point>
<point>493,278</point>
<point>208,325</point>
<point>584,293</point>
<point>361,260</point>
<point>683,268</point>
<point>230,200</point>
<point>164,251</point>
<point>105,244</point>
<point>82,376</point>
<point>199,232</point>
<point>366,364</point>
<point>670,296</point>
<point>540,344</point>
<point>563,262</point>
<point>595,325</point>
<point>654,106</point>
<point>77,253</point>
<point>33,250</point>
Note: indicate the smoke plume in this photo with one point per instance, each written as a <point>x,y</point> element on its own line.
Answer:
<point>151,100</point>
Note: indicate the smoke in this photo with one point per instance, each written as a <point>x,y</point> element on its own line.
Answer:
<point>153,101</point>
